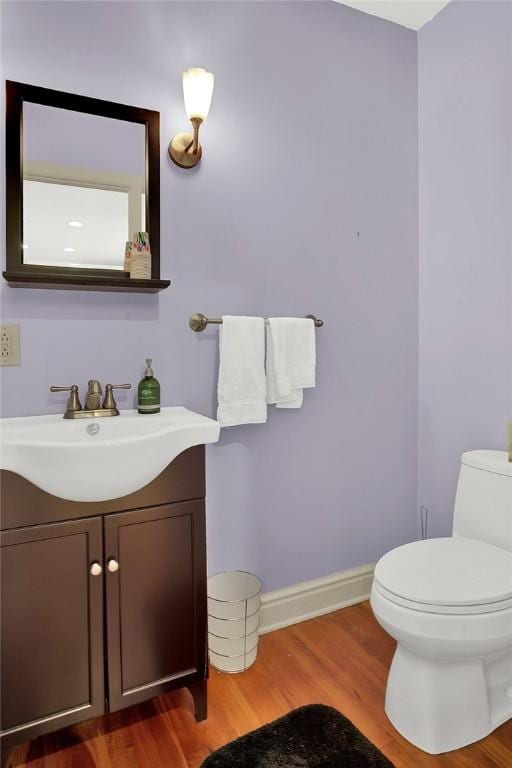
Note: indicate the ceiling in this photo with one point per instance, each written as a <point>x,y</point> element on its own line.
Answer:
<point>96,237</point>
<point>409,13</point>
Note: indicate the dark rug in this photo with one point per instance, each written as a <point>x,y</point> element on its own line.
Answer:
<point>315,736</point>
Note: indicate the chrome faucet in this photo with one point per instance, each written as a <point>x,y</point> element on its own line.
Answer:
<point>93,407</point>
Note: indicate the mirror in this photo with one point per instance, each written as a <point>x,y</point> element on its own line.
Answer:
<point>84,188</point>
<point>82,177</point>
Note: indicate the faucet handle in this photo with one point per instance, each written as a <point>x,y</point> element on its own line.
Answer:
<point>109,401</point>
<point>73,403</point>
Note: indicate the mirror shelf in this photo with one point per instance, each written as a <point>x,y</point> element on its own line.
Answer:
<point>94,282</point>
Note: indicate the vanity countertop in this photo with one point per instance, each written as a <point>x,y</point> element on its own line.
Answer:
<point>100,459</point>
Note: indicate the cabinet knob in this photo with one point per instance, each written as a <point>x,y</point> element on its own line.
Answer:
<point>96,569</point>
<point>112,565</point>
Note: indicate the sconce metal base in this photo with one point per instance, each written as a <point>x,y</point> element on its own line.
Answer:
<point>178,151</point>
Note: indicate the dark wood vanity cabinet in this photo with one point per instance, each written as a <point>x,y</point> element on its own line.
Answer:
<point>156,613</point>
<point>105,609</point>
<point>51,626</point>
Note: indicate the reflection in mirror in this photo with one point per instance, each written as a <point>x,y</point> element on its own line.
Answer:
<point>83,187</point>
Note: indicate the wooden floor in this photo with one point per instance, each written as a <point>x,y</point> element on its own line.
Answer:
<point>341,659</point>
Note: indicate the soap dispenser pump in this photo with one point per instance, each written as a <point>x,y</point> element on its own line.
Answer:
<point>149,391</point>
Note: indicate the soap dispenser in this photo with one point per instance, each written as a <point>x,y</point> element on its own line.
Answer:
<point>149,391</point>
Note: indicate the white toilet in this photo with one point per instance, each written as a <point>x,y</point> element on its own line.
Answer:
<point>448,604</point>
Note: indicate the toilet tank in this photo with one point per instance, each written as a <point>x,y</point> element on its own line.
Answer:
<point>483,503</point>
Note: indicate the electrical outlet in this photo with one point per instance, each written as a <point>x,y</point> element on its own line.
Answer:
<point>9,345</point>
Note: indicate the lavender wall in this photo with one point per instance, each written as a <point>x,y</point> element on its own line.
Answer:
<point>306,201</point>
<point>465,130</point>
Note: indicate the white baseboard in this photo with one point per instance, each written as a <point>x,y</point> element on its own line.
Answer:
<point>315,598</point>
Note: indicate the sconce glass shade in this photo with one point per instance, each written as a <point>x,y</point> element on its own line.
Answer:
<point>197,92</point>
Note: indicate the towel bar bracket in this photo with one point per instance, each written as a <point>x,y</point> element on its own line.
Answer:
<point>318,323</point>
<point>198,322</point>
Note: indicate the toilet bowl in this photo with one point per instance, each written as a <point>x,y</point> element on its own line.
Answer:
<point>448,604</point>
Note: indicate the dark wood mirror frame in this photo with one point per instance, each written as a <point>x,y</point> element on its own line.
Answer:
<point>22,275</point>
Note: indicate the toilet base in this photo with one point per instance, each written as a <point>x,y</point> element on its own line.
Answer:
<point>444,704</point>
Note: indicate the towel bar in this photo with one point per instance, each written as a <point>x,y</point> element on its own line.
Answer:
<point>198,322</point>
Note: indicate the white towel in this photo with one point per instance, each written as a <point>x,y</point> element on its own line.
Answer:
<point>241,387</point>
<point>291,360</point>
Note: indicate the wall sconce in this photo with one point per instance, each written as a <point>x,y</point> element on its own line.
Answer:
<point>185,149</point>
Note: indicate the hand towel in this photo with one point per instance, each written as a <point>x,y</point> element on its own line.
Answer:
<point>291,360</point>
<point>241,387</point>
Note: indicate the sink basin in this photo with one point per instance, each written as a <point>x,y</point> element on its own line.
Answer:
<point>99,459</point>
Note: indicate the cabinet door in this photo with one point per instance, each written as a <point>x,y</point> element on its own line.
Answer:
<point>156,600</point>
<point>52,627</point>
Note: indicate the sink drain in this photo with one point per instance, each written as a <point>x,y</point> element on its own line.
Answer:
<point>93,429</point>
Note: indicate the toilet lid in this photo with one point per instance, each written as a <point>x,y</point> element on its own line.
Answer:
<point>452,571</point>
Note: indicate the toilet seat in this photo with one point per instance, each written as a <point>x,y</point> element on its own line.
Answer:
<point>452,575</point>
<point>452,610</point>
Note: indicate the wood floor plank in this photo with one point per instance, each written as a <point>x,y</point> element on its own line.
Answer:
<point>341,659</point>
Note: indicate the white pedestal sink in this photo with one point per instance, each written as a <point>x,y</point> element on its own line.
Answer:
<point>99,459</point>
